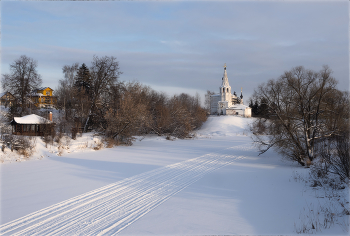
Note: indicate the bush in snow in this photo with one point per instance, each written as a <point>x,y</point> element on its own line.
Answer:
<point>24,145</point>
<point>335,156</point>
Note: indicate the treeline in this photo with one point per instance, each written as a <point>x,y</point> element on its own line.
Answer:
<point>259,107</point>
<point>93,99</point>
<point>304,117</point>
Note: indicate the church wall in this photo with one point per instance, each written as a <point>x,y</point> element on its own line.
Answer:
<point>214,104</point>
<point>230,112</point>
<point>248,112</point>
<point>234,112</point>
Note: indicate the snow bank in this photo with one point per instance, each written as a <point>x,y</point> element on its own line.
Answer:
<point>225,126</point>
<point>252,194</point>
<point>86,143</point>
<point>215,126</point>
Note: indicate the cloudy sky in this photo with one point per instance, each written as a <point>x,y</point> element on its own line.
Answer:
<point>180,46</point>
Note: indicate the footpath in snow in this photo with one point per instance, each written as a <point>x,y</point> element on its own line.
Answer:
<point>110,209</point>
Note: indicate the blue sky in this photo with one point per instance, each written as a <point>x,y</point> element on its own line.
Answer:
<point>180,46</point>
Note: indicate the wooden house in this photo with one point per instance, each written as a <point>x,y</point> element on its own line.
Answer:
<point>42,97</point>
<point>7,99</point>
<point>32,125</point>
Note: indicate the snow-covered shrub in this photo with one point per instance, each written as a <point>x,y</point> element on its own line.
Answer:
<point>109,142</point>
<point>333,202</point>
<point>5,128</point>
<point>24,145</point>
<point>63,144</point>
<point>47,139</point>
<point>97,145</point>
<point>334,158</point>
<point>322,215</point>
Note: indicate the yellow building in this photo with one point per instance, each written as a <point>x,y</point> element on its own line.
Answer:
<point>42,97</point>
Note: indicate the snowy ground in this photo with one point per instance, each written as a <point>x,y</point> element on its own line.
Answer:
<point>213,184</point>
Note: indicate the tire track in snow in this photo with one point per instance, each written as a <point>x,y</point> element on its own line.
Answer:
<point>110,209</point>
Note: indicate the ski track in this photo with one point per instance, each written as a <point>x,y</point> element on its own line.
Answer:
<point>110,209</point>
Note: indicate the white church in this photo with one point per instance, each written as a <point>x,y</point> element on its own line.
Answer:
<point>227,103</point>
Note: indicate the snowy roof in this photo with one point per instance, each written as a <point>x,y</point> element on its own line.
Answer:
<point>43,88</point>
<point>239,107</point>
<point>36,94</point>
<point>31,119</point>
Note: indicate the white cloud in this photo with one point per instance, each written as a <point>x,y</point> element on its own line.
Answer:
<point>180,45</point>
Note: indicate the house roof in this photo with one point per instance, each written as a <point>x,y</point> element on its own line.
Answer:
<point>43,88</point>
<point>31,119</point>
<point>4,93</point>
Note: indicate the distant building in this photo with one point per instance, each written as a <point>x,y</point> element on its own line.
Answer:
<point>227,103</point>
<point>42,97</point>
<point>32,125</point>
<point>7,99</point>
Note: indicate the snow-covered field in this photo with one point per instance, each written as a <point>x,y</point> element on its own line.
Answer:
<point>213,184</point>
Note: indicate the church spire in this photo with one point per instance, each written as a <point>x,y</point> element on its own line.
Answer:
<point>224,78</point>
<point>225,89</point>
<point>241,96</point>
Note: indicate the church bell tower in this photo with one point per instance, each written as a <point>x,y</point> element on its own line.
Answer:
<point>225,88</point>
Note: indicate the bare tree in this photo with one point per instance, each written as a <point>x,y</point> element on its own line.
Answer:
<point>159,112</point>
<point>104,73</point>
<point>65,89</point>
<point>66,101</point>
<point>298,111</point>
<point>334,151</point>
<point>127,114</point>
<point>135,109</point>
<point>185,115</point>
<point>23,78</point>
<point>70,73</point>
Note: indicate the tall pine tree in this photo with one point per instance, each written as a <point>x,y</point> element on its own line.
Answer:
<point>83,80</point>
